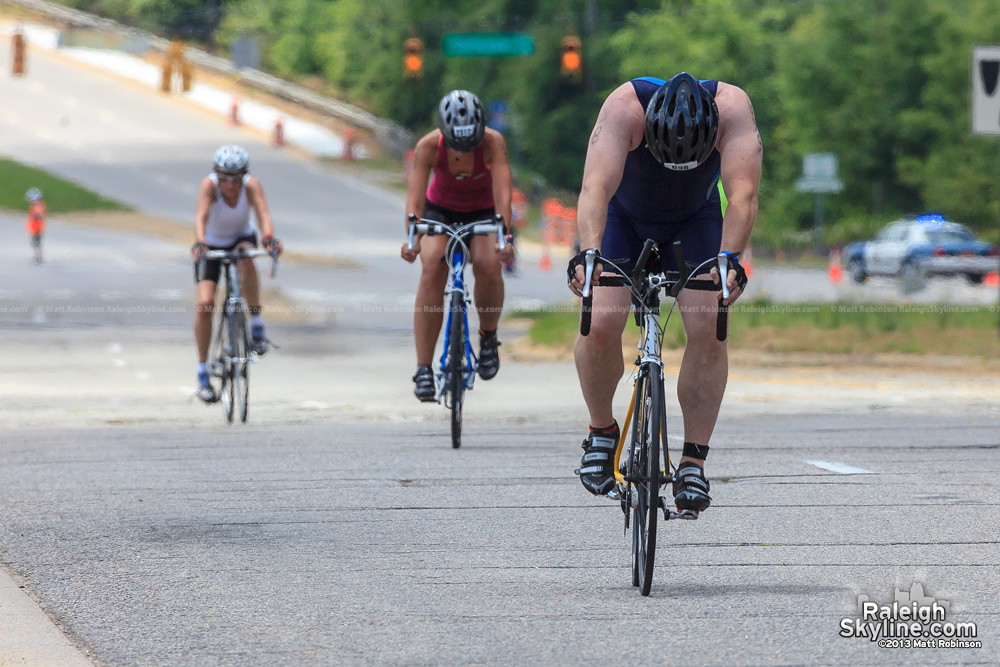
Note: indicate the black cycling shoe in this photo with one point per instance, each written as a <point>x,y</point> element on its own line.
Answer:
<point>425,389</point>
<point>691,488</point>
<point>489,356</point>
<point>597,471</point>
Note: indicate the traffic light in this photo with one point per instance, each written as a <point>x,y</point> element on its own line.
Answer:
<point>571,60</point>
<point>413,58</point>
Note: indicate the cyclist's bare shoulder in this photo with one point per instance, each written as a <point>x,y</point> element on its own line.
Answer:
<point>621,116</point>
<point>494,146</point>
<point>735,111</point>
<point>427,147</point>
<point>207,188</point>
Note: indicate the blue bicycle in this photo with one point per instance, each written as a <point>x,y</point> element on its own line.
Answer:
<point>457,369</point>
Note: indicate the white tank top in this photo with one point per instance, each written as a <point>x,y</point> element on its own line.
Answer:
<point>227,224</point>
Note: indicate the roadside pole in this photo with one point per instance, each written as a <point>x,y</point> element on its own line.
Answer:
<point>986,105</point>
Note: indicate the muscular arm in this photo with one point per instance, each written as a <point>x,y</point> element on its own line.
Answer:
<point>742,151</point>
<point>206,195</point>
<point>618,130</point>
<point>424,157</point>
<point>496,157</point>
<point>256,198</point>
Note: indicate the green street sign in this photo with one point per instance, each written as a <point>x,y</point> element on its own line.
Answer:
<point>490,44</point>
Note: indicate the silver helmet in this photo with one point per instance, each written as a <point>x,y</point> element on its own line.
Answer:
<point>231,159</point>
<point>33,194</point>
<point>461,120</point>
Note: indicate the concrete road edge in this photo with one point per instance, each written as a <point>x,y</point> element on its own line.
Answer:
<point>28,636</point>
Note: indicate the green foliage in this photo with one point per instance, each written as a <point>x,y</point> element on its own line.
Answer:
<point>60,196</point>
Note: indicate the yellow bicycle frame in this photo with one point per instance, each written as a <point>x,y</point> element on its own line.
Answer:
<point>627,429</point>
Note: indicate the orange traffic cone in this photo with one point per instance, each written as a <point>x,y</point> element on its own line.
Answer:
<point>545,264</point>
<point>836,273</point>
<point>992,279</point>
<point>747,261</point>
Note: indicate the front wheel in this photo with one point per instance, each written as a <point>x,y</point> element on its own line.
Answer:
<point>646,472</point>
<point>455,368</point>
<point>225,366</point>
<point>239,385</point>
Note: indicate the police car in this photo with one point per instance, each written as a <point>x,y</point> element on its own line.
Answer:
<point>920,247</point>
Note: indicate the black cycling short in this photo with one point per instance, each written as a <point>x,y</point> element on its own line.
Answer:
<point>212,268</point>
<point>36,240</point>
<point>453,218</point>
<point>700,236</point>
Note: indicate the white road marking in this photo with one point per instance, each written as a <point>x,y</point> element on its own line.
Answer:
<point>167,294</point>
<point>119,363</point>
<point>314,405</point>
<point>841,468</point>
<point>115,348</point>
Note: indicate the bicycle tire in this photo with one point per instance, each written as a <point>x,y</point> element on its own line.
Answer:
<point>648,507</point>
<point>631,490</point>
<point>225,360</point>
<point>241,351</point>
<point>455,370</point>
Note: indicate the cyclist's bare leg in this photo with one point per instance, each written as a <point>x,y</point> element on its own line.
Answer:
<point>427,308</point>
<point>489,288</point>
<point>248,275</point>
<point>203,317</point>
<point>599,361</point>
<point>701,382</point>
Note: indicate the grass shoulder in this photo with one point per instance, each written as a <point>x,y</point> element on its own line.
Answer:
<point>61,195</point>
<point>857,329</point>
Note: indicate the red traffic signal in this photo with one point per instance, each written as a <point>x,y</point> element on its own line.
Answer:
<point>571,59</point>
<point>413,58</point>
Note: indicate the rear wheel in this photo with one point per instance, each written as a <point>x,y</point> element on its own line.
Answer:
<point>455,370</point>
<point>646,511</point>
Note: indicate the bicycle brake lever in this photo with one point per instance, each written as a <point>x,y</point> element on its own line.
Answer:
<point>724,273</point>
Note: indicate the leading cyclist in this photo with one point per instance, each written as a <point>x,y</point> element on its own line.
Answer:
<point>222,222</point>
<point>471,182</point>
<point>696,132</point>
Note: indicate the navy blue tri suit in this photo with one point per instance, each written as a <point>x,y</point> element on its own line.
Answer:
<point>662,204</point>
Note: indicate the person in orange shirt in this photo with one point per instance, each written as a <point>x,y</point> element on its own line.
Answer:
<point>36,220</point>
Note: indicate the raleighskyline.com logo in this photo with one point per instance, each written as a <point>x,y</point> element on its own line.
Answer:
<point>911,620</point>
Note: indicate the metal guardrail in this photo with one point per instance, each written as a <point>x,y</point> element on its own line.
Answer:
<point>391,135</point>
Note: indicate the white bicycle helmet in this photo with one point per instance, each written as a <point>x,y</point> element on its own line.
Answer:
<point>33,194</point>
<point>461,120</point>
<point>231,159</point>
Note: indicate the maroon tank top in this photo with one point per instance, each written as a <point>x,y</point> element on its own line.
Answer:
<point>470,192</point>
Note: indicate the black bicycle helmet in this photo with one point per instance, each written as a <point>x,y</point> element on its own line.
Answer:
<point>682,123</point>
<point>461,120</point>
